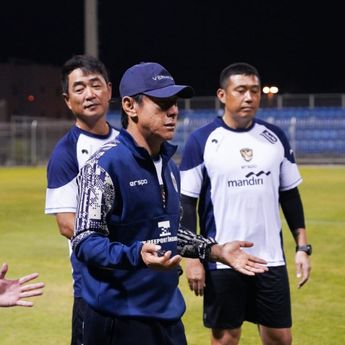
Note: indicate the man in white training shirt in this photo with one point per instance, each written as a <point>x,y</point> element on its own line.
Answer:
<point>87,92</point>
<point>240,170</point>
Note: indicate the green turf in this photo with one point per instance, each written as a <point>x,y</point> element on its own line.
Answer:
<point>29,241</point>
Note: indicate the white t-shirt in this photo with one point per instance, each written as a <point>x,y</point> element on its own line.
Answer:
<point>237,176</point>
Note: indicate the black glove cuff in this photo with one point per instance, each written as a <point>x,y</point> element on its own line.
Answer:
<point>208,251</point>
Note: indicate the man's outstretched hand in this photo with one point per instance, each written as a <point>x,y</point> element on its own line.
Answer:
<point>232,255</point>
<point>12,292</point>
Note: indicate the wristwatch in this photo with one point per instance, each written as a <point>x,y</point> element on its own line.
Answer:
<point>306,248</point>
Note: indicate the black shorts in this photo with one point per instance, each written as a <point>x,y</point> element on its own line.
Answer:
<point>231,298</point>
<point>132,331</point>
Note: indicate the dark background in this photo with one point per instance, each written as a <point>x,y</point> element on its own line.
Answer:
<point>297,46</point>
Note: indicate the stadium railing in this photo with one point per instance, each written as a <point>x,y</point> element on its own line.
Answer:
<point>316,133</point>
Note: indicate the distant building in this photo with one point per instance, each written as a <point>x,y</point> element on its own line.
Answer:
<point>31,90</point>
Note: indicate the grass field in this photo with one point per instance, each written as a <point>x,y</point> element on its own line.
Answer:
<point>29,242</point>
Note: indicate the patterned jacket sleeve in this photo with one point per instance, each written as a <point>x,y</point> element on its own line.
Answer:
<point>191,245</point>
<point>90,241</point>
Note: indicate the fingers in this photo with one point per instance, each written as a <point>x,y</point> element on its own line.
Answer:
<point>21,303</point>
<point>150,248</point>
<point>250,270</point>
<point>255,259</point>
<point>30,290</point>
<point>298,272</point>
<point>172,262</point>
<point>30,287</point>
<point>33,293</point>
<point>3,270</point>
<point>245,271</point>
<point>257,269</point>
<point>166,263</point>
<point>250,267</point>
<point>258,265</point>
<point>245,243</point>
<point>303,273</point>
<point>303,268</point>
<point>195,273</point>
<point>302,282</point>
<point>196,282</point>
<point>162,262</point>
<point>28,278</point>
<point>156,258</point>
<point>197,286</point>
<point>232,255</point>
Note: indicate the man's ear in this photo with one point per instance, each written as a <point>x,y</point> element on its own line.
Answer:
<point>110,90</point>
<point>221,95</point>
<point>128,105</point>
<point>66,99</point>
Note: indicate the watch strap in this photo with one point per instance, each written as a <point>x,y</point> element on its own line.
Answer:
<point>307,248</point>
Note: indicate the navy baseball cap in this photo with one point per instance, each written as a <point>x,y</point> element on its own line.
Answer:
<point>152,79</point>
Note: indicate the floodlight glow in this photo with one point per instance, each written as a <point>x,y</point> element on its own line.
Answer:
<point>270,90</point>
<point>274,89</point>
<point>266,89</point>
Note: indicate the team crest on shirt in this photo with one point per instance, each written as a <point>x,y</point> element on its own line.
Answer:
<point>247,154</point>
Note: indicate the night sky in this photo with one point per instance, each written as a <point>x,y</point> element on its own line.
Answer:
<point>297,46</point>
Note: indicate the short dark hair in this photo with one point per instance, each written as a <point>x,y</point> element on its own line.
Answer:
<point>87,63</point>
<point>235,69</point>
<point>124,117</point>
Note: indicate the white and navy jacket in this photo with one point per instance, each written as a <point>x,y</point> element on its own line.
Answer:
<point>121,207</point>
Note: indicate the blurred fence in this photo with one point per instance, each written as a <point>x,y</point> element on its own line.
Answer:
<point>317,136</point>
<point>316,133</point>
<point>28,141</point>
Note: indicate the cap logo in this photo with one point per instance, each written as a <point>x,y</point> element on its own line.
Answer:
<point>152,79</point>
<point>160,77</point>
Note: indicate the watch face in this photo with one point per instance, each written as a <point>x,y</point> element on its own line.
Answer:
<point>307,249</point>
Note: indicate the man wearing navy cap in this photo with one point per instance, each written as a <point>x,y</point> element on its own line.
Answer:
<point>128,236</point>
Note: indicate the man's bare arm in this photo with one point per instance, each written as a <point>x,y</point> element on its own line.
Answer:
<point>65,222</point>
